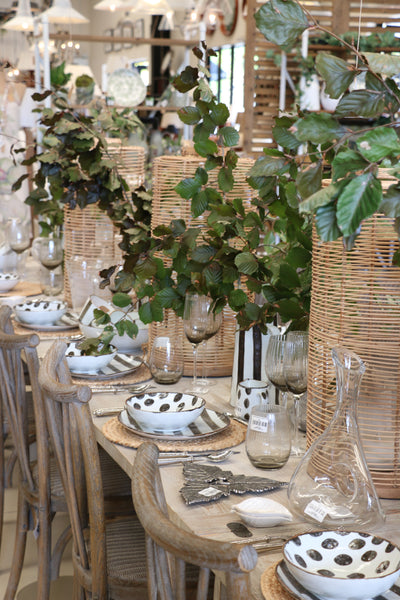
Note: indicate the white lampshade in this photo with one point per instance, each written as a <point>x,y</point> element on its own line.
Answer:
<point>61,11</point>
<point>114,5</point>
<point>23,20</point>
<point>151,7</point>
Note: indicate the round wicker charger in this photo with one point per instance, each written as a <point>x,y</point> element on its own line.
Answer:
<point>231,436</point>
<point>271,588</point>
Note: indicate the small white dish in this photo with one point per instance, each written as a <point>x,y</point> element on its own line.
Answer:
<point>40,312</point>
<point>342,565</point>
<point>81,363</point>
<point>8,281</point>
<point>262,512</point>
<point>165,411</point>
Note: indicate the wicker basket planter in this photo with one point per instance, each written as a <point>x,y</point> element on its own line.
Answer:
<point>356,303</point>
<point>168,171</point>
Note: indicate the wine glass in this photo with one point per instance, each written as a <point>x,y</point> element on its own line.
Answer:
<point>51,255</point>
<point>295,370</point>
<point>195,322</point>
<point>19,240</point>
<point>214,323</point>
<point>274,364</point>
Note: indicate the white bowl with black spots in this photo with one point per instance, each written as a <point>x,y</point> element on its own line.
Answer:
<point>8,281</point>
<point>82,363</point>
<point>343,565</point>
<point>164,411</point>
<point>40,312</point>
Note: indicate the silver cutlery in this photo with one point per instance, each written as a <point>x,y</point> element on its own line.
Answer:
<point>131,388</point>
<point>214,457</point>
<point>235,418</point>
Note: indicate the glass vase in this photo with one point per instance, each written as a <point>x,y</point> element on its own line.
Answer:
<point>332,485</point>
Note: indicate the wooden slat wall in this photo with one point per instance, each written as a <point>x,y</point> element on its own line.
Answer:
<point>262,76</point>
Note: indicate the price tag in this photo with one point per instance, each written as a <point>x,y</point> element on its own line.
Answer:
<point>316,510</point>
<point>209,492</point>
<point>259,423</point>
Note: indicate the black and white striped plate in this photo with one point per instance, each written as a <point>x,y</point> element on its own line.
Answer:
<point>121,364</point>
<point>208,423</point>
<point>67,321</point>
<point>299,592</point>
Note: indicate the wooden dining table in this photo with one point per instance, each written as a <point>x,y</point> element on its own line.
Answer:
<point>216,519</point>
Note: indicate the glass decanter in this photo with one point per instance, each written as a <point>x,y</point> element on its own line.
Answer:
<point>332,485</point>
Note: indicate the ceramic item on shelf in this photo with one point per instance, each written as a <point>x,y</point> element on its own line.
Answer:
<point>208,423</point>
<point>262,512</point>
<point>81,363</point>
<point>40,312</point>
<point>165,411</point>
<point>332,484</point>
<point>67,321</point>
<point>8,281</point>
<point>126,87</point>
<point>339,565</point>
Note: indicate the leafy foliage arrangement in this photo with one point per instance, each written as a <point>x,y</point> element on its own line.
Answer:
<point>163,264</point>
<point>345,154</point>
<point>74,165</point>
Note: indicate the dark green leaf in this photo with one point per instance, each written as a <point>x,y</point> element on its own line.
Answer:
<point>167,297</point>
<point>205,147</point>
<point>121,300</point>
<point>266,166</point>
<point>318,128</point>
<point>229,136</point>
<point>203,254</point>
<point>246,263</point>
<point>281,22</point>
<point>385,64</point>
<point>285,138</point>
<point>189,115</point>
<point>298,257</point>
<point>187,188</point>
<point>359,199</point>
<point>347,161</point>
<point>288,276</point>
<point>320,198</point>
<point>151,311</point>
<point>309,181</point>
<point>237,298</point>
<point>225,179</point>
<point>219,114</point>
<point>199,203</point>
<point>390,205</point>
<point>337,73</point>
<point>187,80</point>
<point>326,223</point>
<point>379,143</point>
<point>361,103</point>
<point>201,176</point>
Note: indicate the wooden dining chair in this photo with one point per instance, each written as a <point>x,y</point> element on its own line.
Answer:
<point>165,539</point>
<point>108,555</point>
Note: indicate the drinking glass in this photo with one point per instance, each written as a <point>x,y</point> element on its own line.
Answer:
<point>19,240</point>
<point>166,359</point>
<point>295,368</point>
<point>214,323</point>
<point>51,255</point>
<point>268,439</point>
<point>274,364</point>
<point>195,322</point>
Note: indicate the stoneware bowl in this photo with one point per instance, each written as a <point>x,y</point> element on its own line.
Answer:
<point>262,512</point>
<point>80,363</point>
<point>40,312</point>
<point>8,281</point>
<point>165,411</point>
<point>343,565</point>
<point>123,343</point>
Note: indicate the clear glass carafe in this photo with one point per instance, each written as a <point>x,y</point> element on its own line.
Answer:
<point>332,485</point>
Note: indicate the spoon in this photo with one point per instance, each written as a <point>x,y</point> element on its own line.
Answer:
<point>132,389</point>
<point>214,457</point>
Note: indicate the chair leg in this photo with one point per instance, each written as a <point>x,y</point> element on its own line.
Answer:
<point>44,555</point>
<point>9,468</point>
<point>22,526</point>
<point>58,552</point>
<point>2,486</point>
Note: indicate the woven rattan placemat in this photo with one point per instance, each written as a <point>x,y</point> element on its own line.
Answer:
<point>62,333</point>
<point>140,375</point>
<point>23,288</point>
<point>231,436</point>
<point>270,586</point>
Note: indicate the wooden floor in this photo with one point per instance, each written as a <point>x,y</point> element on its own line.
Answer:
<point>62,589</point>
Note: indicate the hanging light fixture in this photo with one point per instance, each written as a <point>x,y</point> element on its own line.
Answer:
<point>114,5</point>
<point>62,11</point>
<point>23,20</point>
<point>151,7</point>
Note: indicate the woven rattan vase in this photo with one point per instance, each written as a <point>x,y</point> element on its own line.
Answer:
<point>356,304</point>
<point>168,171</point>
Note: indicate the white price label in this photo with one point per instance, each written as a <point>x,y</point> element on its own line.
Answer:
<point>316,510</point>
<point>210,491</point>
<point>259,423</point>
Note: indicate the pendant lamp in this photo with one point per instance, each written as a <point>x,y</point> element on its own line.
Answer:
<point>23,20</point>
<point>62,11</point>
<point>151,7</point>
<point>114,5</point>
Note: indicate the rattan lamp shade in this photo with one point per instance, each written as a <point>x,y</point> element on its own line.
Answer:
<point>356,303</point>
<point>168,171</point>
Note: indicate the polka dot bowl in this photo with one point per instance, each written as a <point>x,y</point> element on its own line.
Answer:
<point>164,411</point>
<point>343,565</point>
<point>8,281</point>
